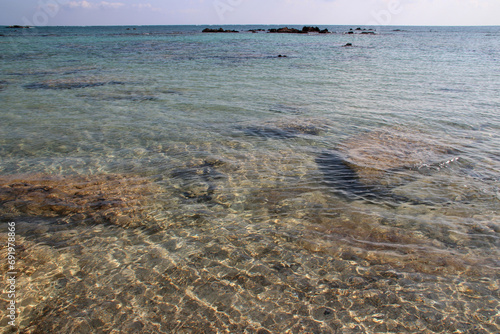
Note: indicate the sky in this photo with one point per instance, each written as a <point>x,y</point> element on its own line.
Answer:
<point>222,12</point>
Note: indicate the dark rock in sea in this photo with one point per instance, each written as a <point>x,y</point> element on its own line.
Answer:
<point>18,27</point>
<point>305,30</point>
<point>286,30</point>
<point>281,56</point>
<point>348,44</point>
<point>220,30</point>
<point>310,29</point>
<point>256,30</point>
<point>360,31</point>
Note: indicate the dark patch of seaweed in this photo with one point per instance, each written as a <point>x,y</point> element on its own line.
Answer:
<point>286,131</point>
<point>69,85</point>
<point>267,132</point>
<point>345,182</point>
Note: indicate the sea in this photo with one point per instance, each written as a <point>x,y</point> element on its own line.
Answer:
<point>159,179</point>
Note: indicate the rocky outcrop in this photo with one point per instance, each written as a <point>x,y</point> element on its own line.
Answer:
<point>220,30</point>
<point>360,31</point>
<point>256,30</point>
<point>305,30</point>
<point>18,27</point>
<point>286,30</point>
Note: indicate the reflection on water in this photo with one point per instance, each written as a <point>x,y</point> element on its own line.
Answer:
<point>160,200</point>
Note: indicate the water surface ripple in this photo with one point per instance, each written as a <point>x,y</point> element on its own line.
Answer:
<point>164,180</point>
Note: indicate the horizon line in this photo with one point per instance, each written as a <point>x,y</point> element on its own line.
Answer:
<point>246,24</point>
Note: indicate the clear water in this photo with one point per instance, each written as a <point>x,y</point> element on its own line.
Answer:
<point>163,180</point>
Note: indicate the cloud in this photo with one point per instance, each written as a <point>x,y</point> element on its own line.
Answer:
<point>81,4</point>
<point>146,6</point>
<point>91,5</point>
<point>113,5</point>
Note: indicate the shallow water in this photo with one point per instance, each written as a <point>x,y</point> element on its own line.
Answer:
<point>165,180</point>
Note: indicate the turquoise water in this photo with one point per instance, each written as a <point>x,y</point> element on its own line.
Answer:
<point>164,180</point>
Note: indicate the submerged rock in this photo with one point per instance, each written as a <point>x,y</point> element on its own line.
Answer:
<point>198,182</point>
<point>378,165</point>
<point>115,199</point>
<point>267,132</point>
<point>375,153</point>
<point>70,84</point>
<point>282,129</point>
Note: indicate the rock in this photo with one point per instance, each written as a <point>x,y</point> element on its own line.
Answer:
<point>198,182</point>
<point>304,30</point>
<point>18,27</point>
<point>70,84</point>
<point>310,29</point>
<point>281,56</point>
<point>374,153</point>
<point>360,31</point>
<point>98,198</point>
<point>348,44</point>
<point>220,30</point>
<point>286,30</point>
